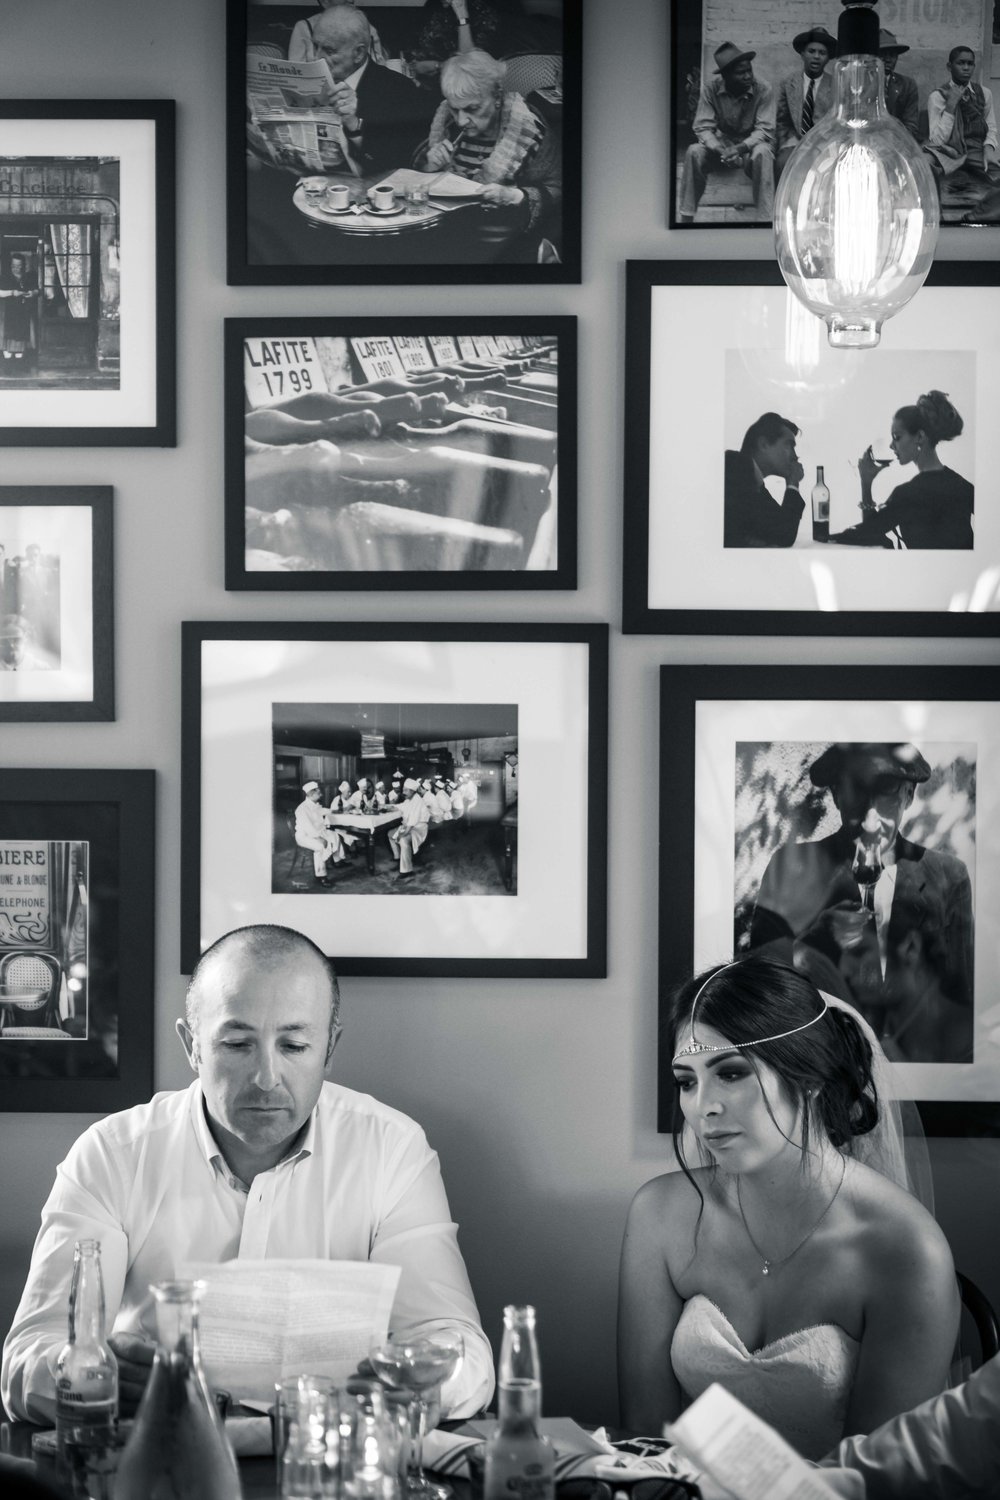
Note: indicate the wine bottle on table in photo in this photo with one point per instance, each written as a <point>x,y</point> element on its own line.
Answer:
<point>178,1449</point>
<point>820,508</point>
<point>519,1460</point>
<point>86,1385</point>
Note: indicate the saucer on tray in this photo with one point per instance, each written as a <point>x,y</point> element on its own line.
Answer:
<point>384,213</point>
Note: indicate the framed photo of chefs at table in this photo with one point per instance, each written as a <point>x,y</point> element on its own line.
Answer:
<point>402,141</point>
<point>749,82</point>
<point>87,293</point>
<point>844,820</point>
<point>376,763</point>
<point>391,453</point>
<point>77,854</point>
<point>774,484</point>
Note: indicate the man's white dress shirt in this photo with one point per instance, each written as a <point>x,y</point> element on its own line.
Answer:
<point>151,1184</point>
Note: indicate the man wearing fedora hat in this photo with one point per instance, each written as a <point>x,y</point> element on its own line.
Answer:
<point>901,98</point>
<point>872,917</point>
<point>806,94</point>
<point>734,126</point>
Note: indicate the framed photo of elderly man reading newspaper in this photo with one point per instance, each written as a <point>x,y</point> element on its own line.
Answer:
<point>87,294</point>
<point>773,484</point>
<point>77,853</point>
<point>391,453</point>
<point>750,81</point>
<point>377,762</point>
<point>404,142</point>
<point>844,820</point>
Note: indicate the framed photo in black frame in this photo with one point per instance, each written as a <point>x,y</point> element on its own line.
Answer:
<point>416,165</point>
<point>713,347</point>
<point>392,453</point>
<point>77,854</point>
<point>377,762</point>
<point>87,284</point>
<point>783,44</point>
<point>56,603</point>
<point>754,854</point>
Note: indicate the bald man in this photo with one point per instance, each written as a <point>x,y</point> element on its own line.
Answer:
<point>259,1158</point>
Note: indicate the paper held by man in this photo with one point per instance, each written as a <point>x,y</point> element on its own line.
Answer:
<point>263,1320</point>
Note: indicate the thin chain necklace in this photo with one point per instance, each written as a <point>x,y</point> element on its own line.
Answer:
<point>774,1265</point>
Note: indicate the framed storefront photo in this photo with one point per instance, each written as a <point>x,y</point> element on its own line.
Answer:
<point>391,453</point>
<point>56,603</point>
<point>773,484</point>
<point>463,765</point>
<point>77,854</point>
<point>843,820</point>
<point>87,293</point>
<point>749,83</point>
<point>403,141</point>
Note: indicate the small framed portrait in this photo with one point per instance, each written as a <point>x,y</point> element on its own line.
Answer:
<point>404,141</point>
<point>840,819</point>
<point>420,800</point>
<point>56,603</point>
<point>77,854</point>
<point>87,294</point>
<point>775,485</point>
<point>390,453</point>
<point>748,86</point>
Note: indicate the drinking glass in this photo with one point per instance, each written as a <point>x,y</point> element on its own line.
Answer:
<point>305,1424</point>
<point>420,1366</point>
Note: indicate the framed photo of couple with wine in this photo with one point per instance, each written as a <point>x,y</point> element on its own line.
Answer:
<point>830,491</point>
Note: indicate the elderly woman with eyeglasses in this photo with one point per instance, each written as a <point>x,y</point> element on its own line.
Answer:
<point>492,136</point>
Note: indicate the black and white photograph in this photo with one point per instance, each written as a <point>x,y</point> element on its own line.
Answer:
<point>56,627</point>
<point>840,820</point>
<point>389,798</point>
<point>750,82</point>
<point>404,140</point>
<point>86,272</point>
<point>425,799</point>
<point>378,453</point>
<point>828,490</point>
<point>76,919</point>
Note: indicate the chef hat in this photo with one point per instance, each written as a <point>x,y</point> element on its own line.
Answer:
<point>310,786</point>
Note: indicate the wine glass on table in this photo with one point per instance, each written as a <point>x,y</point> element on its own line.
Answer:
<point>867,864</point>
<point>420,1366</point>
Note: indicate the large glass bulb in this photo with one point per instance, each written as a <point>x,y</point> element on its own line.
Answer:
<point>856,212</point>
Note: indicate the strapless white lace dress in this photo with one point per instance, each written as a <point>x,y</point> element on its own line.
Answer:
<point>799,1383</point>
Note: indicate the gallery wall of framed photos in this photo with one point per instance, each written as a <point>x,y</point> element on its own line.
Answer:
<point>538,1089</point>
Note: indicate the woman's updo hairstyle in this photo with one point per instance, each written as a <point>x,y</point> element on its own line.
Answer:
<point>933,414</point>
<point>826,1068</point>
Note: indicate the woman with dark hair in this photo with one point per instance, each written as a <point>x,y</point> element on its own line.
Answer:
<point>789,1262</point>
<point>934,509</point>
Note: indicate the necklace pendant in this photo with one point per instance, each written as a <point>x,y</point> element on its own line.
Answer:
<point>765,1269</point>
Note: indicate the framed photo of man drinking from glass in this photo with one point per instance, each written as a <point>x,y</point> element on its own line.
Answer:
<point>840,820</point>
<point>399,142</point>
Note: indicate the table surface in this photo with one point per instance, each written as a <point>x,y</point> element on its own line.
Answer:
<point>365,820</point>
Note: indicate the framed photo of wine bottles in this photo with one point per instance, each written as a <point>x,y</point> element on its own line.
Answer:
<point>464,764</point>
<point>844,820</point>
<point>774,485</point>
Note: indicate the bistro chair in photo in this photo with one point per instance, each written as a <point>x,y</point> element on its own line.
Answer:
<point>29,993</point>
<point>299,855</point>
<point>977,1310</point>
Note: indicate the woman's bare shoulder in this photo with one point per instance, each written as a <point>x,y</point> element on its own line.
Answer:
<point>673,1194</point>
<point>896,1225</point>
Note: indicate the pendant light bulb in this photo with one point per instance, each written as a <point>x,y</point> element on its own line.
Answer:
<point>856,213</point>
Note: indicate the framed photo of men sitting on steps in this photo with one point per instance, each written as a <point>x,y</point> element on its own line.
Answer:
<point>373,763</point>
<point>749,82</point>
<point>402,142</point>
<point>401,453</point>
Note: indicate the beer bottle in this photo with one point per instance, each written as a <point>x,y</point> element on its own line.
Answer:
<point>820,508</point>
<point>86,1384</point>
<point>520,1462</point>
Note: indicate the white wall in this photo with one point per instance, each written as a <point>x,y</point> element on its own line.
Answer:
<point>538,1095</point>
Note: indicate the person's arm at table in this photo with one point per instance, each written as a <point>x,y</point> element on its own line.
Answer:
<point>82,1205</point>
<point>415,1231</point>
<point>649,1307</point>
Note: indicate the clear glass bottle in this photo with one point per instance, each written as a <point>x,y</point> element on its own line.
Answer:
<point>178,1449</point>
<point>820,507</point>
<point>86,1384</point>
<point>519,1460</point>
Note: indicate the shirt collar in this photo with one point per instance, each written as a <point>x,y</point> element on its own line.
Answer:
<point>210,1146</point>
<point>355,78</point>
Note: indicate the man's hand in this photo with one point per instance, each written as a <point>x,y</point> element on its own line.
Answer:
<point>845,923</point>
<point>502,197</point>
<point>953,95</point>
<point>345,102</point>
<point>134,1354</point>
<point>796,474</point>
<point>731,157</point>
<point>439,157</point>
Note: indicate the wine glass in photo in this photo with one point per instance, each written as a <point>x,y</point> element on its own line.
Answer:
<point>420,1366</point>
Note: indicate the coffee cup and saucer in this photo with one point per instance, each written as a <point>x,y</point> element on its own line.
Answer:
<point>382,201</point>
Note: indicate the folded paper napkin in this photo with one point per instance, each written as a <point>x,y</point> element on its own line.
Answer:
<point>578,1453</point>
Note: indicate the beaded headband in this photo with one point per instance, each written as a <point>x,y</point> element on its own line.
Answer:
<point>694,1049</point>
